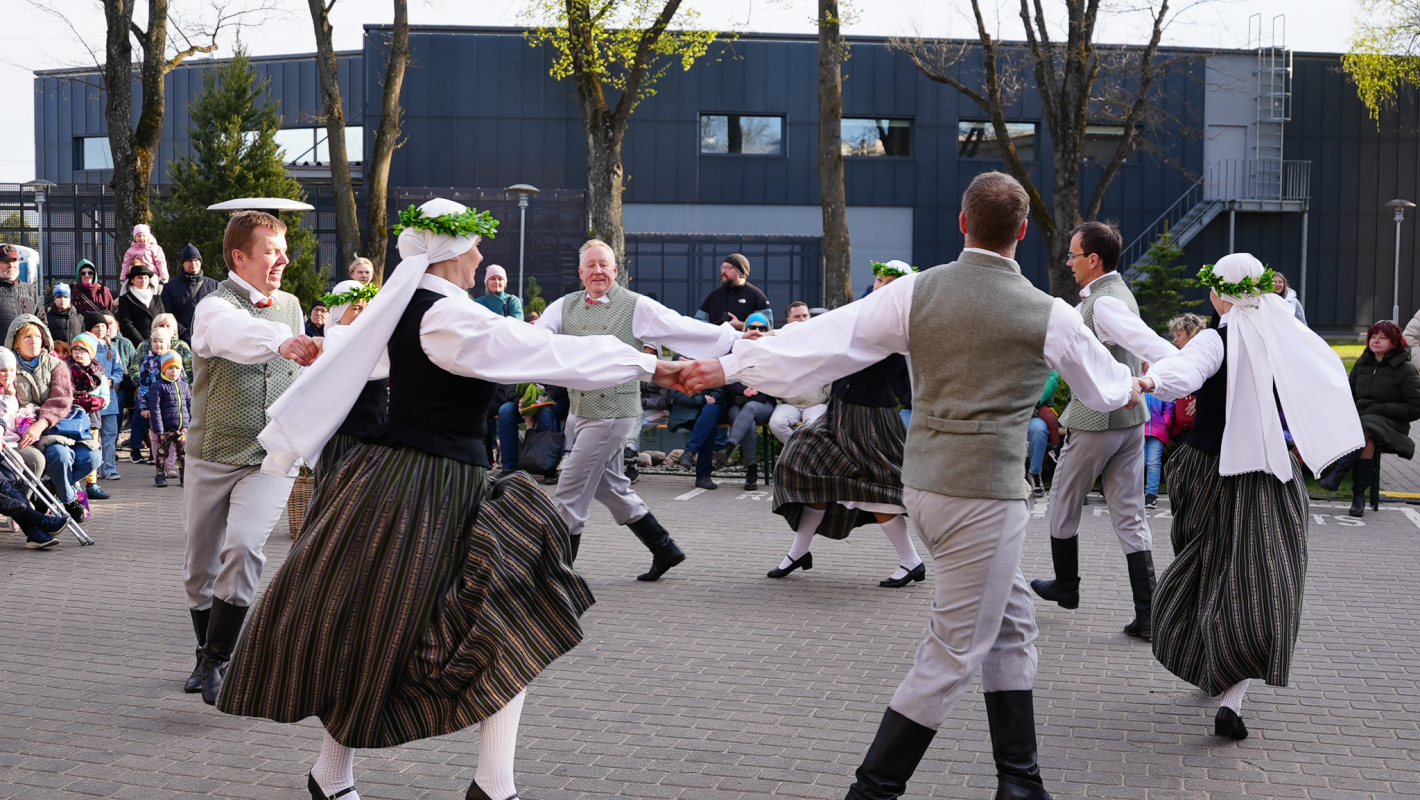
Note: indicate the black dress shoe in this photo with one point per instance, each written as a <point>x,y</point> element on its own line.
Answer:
<point>318,794</point>
<point>475,792</point>
<point>1228,724</point>
<point>805,561</point>
<point>917,573</point>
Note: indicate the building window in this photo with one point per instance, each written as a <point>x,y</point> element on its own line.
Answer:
<point>732,133</point>
<point>311,147</point>
<point>92,152</point>
<point>877,137</point>
<point>978,140</point>
<point>1100,143</point>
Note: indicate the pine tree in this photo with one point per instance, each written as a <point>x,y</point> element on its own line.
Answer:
<point>233,135</point>
<point>1160,284</point>
<point>535,303</point>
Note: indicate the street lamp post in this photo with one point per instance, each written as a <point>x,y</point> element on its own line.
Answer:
<point>1399,207</point>
<point>40,186</point>
<point>524,191</point>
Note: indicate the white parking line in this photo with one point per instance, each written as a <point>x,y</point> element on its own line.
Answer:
<point>690,494</point>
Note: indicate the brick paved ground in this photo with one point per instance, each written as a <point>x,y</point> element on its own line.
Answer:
<point>717,682</point>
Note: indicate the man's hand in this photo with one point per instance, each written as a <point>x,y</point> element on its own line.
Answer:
<point>669,375</point>
<point>735,321</point>
<point>1136,394</point>
<point>33,433</point>
<point>750,391</point>
<point>301,349</point>
<point>709,400</point>
<point>752,335</point>
<point>704,374</point>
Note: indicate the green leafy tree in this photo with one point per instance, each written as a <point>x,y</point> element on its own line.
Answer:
<point>1160,285</point>
<point>534,302</point>
<point>233,134</point>
<point>1385,52</point>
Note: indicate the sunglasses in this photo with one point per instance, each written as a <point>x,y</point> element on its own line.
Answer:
<point>758,328</point>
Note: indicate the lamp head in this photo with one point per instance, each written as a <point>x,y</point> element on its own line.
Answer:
<point>1399,207</point>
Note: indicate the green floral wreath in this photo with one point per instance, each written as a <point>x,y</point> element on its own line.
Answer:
<point>469,223</point>
<point>1264,284</point>
<point>880,269</point>
<point>366,293</point>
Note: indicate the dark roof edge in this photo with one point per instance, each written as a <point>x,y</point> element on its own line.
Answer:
<point>201,61</point>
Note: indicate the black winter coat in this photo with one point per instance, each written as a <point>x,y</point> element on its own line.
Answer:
<point>15,299</point>
<point>64,325</point>
<point>1387,394</point>
<point>135,320</point>
<point>181,296</point>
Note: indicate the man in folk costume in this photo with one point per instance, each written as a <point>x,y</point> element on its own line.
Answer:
<point>247,341</point>
<point>602,422</point>
<point>961,469</point>
<point>1105,444</point>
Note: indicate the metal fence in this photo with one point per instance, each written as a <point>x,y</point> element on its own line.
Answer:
<point>679,269</point>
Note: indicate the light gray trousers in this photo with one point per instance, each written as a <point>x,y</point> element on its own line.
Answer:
<point>982,615</point>
<point>230,513</point>
<point>1118,455</point>
<point>594,470</point>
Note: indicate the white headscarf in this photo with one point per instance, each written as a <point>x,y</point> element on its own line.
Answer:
<point>336,312</point>
<point>308,414</point>
<point>1268,347</point>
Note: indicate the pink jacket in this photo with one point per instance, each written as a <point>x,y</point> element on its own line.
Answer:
<point>152,255</point>
<point>1160,418</point>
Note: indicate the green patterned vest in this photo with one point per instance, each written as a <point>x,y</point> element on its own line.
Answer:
<point>580,318</point>
<point>1080,417</point>
<point>239,394</point>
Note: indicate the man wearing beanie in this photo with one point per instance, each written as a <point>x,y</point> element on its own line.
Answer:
<point>64,321</point>
<point>736,298</point>
<point>181,296</point>
<point>496,297</point>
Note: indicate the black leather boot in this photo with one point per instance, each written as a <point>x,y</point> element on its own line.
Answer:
<point>1011,716</point>
<point>752,478</point>
<point>1360,484</point>
<point>1332,480</point>
<point>200,621</point>
<point>893,757</point>
<point>223,628</point>
<point>664,552</point>
<point>1065,589</point>
<point>1141,581</point>
<point>573,543</point>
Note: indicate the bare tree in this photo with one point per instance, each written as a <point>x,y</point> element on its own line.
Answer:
<point>347,220</point>
<point>377,172</point>
<point>1076,78</point>
<point>837,249</point>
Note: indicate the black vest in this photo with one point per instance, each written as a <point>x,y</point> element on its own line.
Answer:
<point>872,386</point>
<point>369,409</point>
<point>430,408</point>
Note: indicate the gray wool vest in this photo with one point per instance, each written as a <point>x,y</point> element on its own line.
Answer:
<point>580,318</point>
<point>229,400</point>
<point>978,361</point>
<point>1080,417</point>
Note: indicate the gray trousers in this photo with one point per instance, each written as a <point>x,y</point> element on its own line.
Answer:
<point>1119,456</point>
<point>594,470</point>
<point>230,513</point>
<point>982,615</point>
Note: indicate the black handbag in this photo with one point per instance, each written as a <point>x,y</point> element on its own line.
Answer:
<point>541,452</point>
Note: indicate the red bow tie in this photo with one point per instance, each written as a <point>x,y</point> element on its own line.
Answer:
<point>264,303</point>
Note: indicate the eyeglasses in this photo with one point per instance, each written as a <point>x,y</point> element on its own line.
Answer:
<point>1072,256</point>
<point>758,328</point>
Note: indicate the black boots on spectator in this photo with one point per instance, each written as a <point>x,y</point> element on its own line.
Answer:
<point>1360,484</point>
<point>752,478</point>
<point>1011,716</point>
<point>664,552</point>
<point>1141,581</point>
<point>223,628</point>
<point>1332,480</point>
<point>893,757</point>
<point>200,621</point>
<point>1065,589</point>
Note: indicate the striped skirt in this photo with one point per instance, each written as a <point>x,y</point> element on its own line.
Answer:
<point>405,610</point>
<point>1230,605</point>
<point>850,454</point>
<point>331,454</point>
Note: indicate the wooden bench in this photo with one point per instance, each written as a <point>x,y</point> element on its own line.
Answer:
<point>769,448</point>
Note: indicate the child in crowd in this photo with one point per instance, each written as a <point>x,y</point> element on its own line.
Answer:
<point>146,249</point>
<point>149,371</point>
<point>169,410</point>
<point>1156,437</point>
<point>37,527</point>
<point>91,391</point>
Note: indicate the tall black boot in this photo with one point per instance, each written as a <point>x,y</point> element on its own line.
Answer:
<point>1360,484</point>
<point>1332,480</point>
<point>200,621</point>
<point>752,478</point>
<point>223,628</point>
<point>893,757</point>
<point>664,552</point>
<point>1011,716</point>
<point>573,543</point>
<point>1065,589</point>
<point>1141,581</point>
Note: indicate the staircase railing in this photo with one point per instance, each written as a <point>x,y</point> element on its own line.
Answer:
<point>1136,249</point>
<point>1253,179</point>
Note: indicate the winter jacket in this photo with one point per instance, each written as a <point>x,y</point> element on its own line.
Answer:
<point>1387,394</point>
<point>817,397</point>
<point>64,325</point>
<point>181,296</point>
<point>90,296</point>
<point>735,395</point>
<point>18,298</point>
<point>140,357</point>
<point>169,405</point>
<point>90,387</point>
<point>135,319</point>
<point>152,255</point>
<point>685,408</point>
<point>46,386</point>
<point>504,305</point>
<point>1160,424</point>
<point>115,368</point>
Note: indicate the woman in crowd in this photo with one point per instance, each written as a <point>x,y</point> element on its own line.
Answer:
<point>747,408</point>
<point>495,297</point>
<point>139,305</point>
<point>363,270</point>
<point>844,469</point>
<point>43,381</point>
<point>165,322</point>
<point>395,617</point>
<point>345,302</point>
<point>1290,295</point>
<point>89,295</point>
<point>1042,434</point>
<point>1228,608</point>
<point>1386,389</point>
<point>107,356</point>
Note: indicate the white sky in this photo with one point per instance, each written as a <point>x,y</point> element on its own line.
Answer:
<point>42,41</point>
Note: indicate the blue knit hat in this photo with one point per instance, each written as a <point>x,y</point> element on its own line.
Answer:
<point>190,252</point>
<point>760,318</point>
<point>61,290</point>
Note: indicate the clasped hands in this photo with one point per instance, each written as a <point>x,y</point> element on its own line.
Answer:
<point>303,350</point>
<point>1141,386</point>
<point>690,376</point>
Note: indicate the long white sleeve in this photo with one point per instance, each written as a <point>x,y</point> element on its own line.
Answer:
<point>551,318</point>
<point>467,339</point>
<point>688,336</point>
<point>1183,374</point>
<point>1072,349</point>
<point>1116,324</point>
<point>221,330</point>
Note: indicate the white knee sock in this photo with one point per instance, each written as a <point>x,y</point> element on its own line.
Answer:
<point>335,768</point>
<point>1233,696</point>
<point>896,531</point>
<point>497,740</point>
<point>809,520</point>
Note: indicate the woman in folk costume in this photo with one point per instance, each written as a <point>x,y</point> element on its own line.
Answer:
<point>844,469</point>
<point>1228,608</point>
<point>395,617</point>
<point>346,302</point>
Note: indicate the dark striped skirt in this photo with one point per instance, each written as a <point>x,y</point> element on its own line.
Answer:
<point>405,610</point>
<point>1230,605</point>
<point>331,454</point>
<point>850,454</point>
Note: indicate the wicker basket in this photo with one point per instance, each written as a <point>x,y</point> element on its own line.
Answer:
<point>300,496</point>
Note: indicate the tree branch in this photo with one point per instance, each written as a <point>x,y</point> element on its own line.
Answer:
<point>649,37</point>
